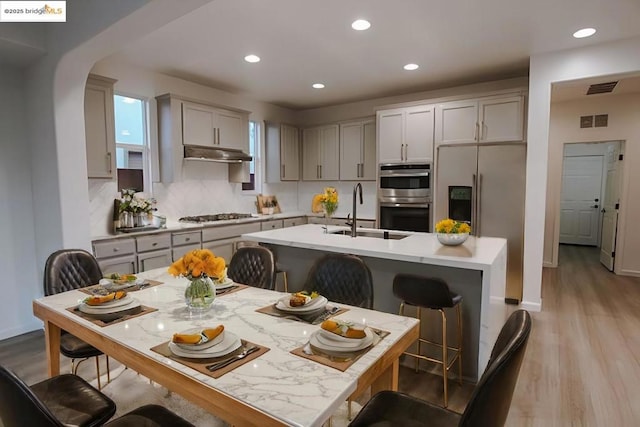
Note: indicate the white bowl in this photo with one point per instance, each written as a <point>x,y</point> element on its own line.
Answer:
<point>452,239</point>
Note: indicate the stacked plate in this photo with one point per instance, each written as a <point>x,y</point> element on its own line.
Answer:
<point>221,345</point>
<point>316,304</point>
<point>113,309</point>
<point>328,341</point>
<point>224,285</point>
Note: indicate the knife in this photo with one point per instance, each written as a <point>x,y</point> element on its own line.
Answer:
<point>230,360</point>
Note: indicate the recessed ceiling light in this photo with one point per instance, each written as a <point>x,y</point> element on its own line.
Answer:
<point>318,86</point>
<point>411,67</point>
<point>585,32</point>
<point>360,24</point>
<point>252,58</point>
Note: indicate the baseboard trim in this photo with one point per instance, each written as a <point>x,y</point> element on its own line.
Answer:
<point>531,306</point>
<point>23,329</point>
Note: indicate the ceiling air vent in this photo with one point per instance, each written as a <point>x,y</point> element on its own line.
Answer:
<point>601,88</point>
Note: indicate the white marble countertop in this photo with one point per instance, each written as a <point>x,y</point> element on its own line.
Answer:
<point>476,253</point>
<point>298,391</point>
<point>175,225</point>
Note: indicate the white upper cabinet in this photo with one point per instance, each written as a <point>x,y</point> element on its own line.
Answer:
<point>406,134</point>
<point>185,122</point>
<point>289,153</point>
<point>495,119</point>
<point>214,127</point>
<point>99,127</point>
<point>358,151</point>
<point>320,153</point>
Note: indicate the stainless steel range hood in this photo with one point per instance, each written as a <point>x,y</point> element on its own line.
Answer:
<point>214,154</point>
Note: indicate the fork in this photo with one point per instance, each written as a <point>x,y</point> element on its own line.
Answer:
<point>230,360</point>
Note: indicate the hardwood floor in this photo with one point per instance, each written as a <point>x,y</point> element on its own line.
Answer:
<point>582,366</point>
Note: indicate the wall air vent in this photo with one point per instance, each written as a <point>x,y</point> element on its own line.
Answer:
<point>601,88</point>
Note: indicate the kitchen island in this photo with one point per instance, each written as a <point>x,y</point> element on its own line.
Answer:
<point>476,270</point>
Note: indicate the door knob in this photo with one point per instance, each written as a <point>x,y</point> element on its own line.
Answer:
<point>595,206</point>
<point>596,200</point>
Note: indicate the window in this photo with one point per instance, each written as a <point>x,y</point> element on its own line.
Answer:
<point>254,152</point>
<point>132,148</point>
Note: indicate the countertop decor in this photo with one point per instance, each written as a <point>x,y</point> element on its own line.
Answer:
<point>451,232</point>
<point>199,266</point>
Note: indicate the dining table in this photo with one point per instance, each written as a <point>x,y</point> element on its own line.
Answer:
<point>278,388</point>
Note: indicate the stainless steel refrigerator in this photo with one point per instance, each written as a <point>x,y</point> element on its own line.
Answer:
<point>484,184</point>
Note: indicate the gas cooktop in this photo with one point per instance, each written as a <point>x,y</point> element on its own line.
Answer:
<point>214,217</point>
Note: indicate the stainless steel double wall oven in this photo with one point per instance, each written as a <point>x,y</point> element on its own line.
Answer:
<point>404,196</point>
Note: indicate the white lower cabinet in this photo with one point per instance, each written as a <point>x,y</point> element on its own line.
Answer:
<point>154,251</point>
<point>224,248</point>
<point>182,243</point>
<point>116,256</point>
<point>292,222</point>
<point>222,241</point>
<point>272,224</point>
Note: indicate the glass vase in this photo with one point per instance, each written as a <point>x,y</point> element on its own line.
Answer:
<point>200,294</point>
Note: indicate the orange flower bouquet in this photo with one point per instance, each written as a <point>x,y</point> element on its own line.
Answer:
<point>199,266</point>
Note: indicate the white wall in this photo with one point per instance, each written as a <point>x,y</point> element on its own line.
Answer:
<point>624,116</point>
<point>545,69</point>
<point>20,283</point>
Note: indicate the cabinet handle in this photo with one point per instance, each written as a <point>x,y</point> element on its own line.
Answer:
<point>218,129</point>
<point>406,152</point>
<point>401,152</point>
<point>187,239</point>
<point>283,170</point>
<point>320,171</point>
<point>154,244</point>
<point>482,130</point>
<point>116,249</point>
<point>109,162</point>
<point>475,135</point>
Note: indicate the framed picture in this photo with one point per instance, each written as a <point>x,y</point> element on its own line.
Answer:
<point>268,204</point>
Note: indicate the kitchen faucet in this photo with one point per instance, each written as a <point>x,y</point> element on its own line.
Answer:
<point>353,223</point>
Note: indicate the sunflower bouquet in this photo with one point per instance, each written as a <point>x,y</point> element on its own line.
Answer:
<point>328,199</point>
<point>450,226</point>
<point>199,263</point>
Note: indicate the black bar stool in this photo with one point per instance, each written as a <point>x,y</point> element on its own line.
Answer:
<point>434,294</point>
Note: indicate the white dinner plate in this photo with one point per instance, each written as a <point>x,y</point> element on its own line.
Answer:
<point>90,309</point>
<point>336,346</point>
<point>224,285</point>
<point>217,340</point>
<point>112,304</point>
<point>339,338</point>
<point>230,343</point>
<point>315,304</point>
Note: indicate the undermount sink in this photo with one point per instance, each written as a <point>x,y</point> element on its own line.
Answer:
<point>376,234</point>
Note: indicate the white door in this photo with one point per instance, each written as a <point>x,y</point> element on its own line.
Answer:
<point>311,154</point>
<point>330,153</point>
<point>501,119</point>
<point>390,137</point>
<point>580,200</point>
<point>610,208</point>
<point>456,122</point>
<point>350,151</point>
<point>418,134</point>
<point>289,153</point>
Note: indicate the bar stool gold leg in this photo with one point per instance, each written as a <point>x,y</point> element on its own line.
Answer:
<point>444,356</point>
<point>285,281</point>
<point>98,372</point>
<point>459,309</point>
<point>108,370</point>
<point>417,360</point>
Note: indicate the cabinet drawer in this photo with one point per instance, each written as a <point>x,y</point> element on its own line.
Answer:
<point>178,239</point>
<point>155,259</point>
<point>228,231</point>
<point>114,248</point>
<point>292,222</point>
<point>152,243</point>
<point>179,251</point>
<point>271,225</point>
<point>120,265</point>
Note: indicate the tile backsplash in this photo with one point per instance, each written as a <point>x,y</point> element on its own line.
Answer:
<point>198,197</point>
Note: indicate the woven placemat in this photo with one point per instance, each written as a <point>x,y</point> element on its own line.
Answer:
<point>338,360</point>
<point>101,290</point>
<point>125,315</point>
<point>200,365</point>
<point>231,290</point>
<point>313,319</point>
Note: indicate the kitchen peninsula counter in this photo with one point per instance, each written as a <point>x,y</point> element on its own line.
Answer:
<point>476,270</point>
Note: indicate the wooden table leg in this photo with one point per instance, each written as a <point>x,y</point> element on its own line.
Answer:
<point>387,380</point>
<point>52,342</point>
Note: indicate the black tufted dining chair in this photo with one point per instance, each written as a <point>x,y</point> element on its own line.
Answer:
<point>254,266</point>
<point>491,399</point>
<point>342,278</point>
<point>68,400</point>
<point>65,270</point>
